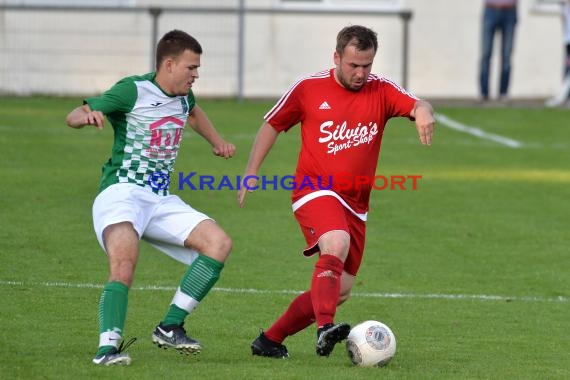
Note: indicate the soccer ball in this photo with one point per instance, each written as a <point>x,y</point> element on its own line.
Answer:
<point>371,343</point>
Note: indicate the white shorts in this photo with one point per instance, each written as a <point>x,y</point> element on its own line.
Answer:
<point>163,221</point>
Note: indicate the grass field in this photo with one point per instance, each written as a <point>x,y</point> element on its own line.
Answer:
<point>471,270</point>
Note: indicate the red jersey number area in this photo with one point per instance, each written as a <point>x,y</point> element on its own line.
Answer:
<point>341,130</point>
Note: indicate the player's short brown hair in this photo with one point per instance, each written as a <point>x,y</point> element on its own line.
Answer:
<point>359,36</point>
<point>174,43</point>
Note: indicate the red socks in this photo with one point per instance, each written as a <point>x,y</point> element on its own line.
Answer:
<point>298,316</point>
<point>319,303</point>
<point>325,288</point>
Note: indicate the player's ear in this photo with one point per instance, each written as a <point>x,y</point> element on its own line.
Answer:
<point>167,64</point>
<point>336,58</point>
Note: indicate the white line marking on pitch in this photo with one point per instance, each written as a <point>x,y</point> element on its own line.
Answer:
<point>477,132</point>
<point>481,297</point>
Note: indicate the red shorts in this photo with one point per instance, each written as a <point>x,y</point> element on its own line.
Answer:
<point>325,214</point>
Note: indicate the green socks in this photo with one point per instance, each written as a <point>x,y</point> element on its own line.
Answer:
<point>196,283</point>
<point>112,314</point>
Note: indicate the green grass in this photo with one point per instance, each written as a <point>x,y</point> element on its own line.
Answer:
<point>486,220</point>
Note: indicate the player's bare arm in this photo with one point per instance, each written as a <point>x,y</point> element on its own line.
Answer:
<point>83,115</point>
<point>199,122</point>
<point>425,122</point>
<point>264,140</point>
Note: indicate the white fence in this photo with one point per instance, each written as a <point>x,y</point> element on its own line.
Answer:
<point>257,49</point>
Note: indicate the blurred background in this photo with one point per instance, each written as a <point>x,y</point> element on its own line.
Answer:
<point>258,48</point>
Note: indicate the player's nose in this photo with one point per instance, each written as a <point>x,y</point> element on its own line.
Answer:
<point>359,72</point>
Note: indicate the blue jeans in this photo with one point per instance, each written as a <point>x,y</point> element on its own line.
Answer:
<point>503,21</point>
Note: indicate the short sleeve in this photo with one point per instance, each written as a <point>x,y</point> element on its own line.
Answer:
<point>288,111</point>
<point>398,102</point>
<point>119,98</point>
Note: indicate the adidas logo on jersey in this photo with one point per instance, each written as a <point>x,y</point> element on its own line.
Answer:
<point>324,106</point>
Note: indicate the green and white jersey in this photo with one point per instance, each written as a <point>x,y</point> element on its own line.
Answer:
<point>148,125</point>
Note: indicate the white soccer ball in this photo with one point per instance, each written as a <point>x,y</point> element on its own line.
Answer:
<point>371,343</point>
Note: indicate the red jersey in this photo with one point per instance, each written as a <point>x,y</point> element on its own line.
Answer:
<point>341,132</point>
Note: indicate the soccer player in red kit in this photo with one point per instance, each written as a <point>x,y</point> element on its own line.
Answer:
<point>342,112</point>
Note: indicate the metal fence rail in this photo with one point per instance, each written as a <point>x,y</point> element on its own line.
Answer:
<point>240,12</point>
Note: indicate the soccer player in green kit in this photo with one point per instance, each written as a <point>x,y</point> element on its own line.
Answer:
<point>148,114</point>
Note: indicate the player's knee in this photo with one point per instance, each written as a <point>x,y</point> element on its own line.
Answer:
<point>336,243</point>
<point>220,248</point>
<point>225,245</point>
